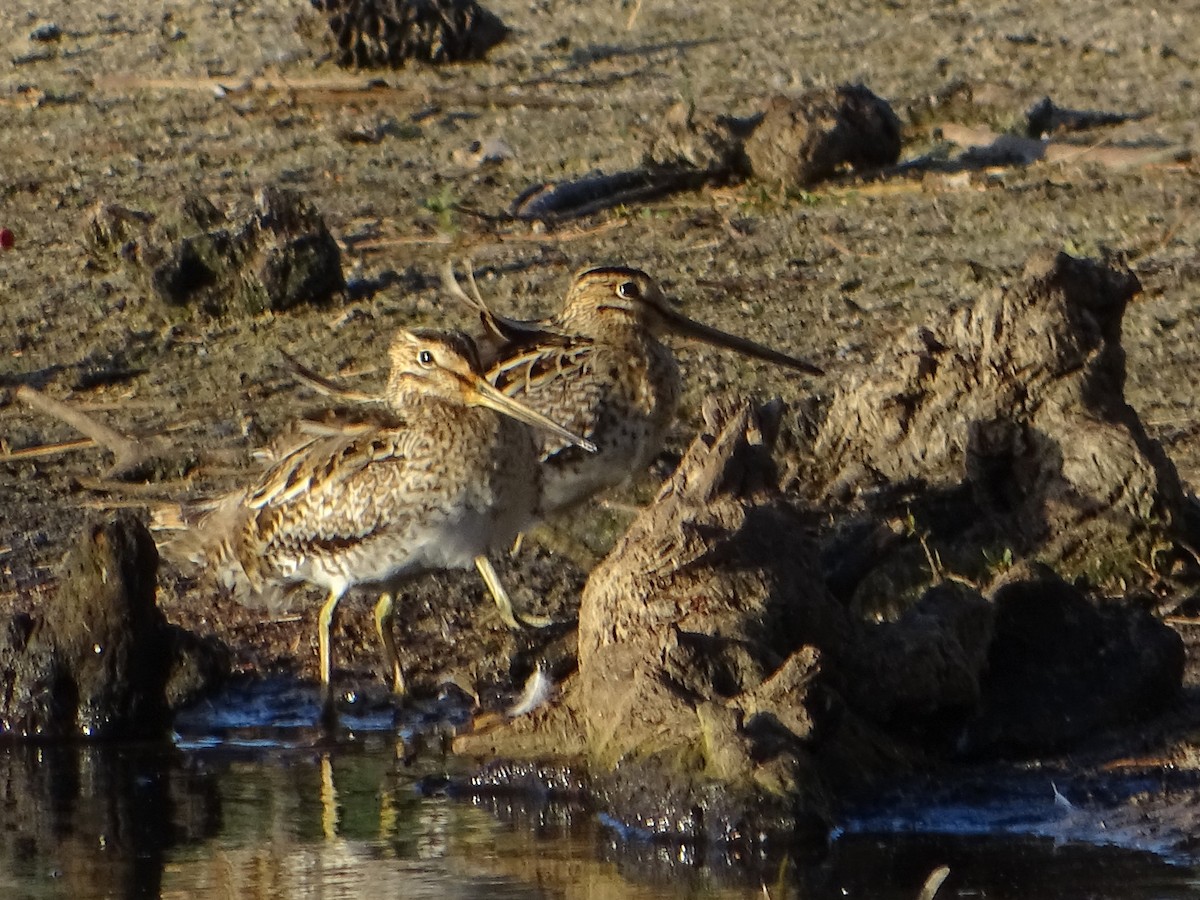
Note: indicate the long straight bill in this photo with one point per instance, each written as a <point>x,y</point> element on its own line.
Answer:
<point>682,325</point>
<point>486,395</point>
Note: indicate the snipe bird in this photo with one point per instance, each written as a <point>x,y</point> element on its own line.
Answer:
<point>599,368</point>
<point>443,475</point>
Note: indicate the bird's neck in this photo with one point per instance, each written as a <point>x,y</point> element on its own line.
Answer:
<point>403,398</point>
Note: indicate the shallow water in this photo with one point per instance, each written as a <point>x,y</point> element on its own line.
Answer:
<point>236,809</point>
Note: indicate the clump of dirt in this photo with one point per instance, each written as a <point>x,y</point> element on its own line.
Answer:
<point>802,140</point>
<point>372,34</point>
<point>794,143</point>
<point>702,637</point>
<point>690,138</point>
<point>1061,667</point>
<point>281,256</point>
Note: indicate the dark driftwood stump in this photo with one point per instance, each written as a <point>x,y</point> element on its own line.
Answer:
<point>1012,414</point>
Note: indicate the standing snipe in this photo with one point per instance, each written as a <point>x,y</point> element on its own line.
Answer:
<point>599,368</point>
<point>435,481</point>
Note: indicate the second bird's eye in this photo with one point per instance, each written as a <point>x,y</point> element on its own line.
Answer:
<point>629,290</point>
<point>425,358</point>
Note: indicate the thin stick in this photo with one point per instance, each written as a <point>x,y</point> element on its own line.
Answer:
<point>471,281</point>
<point>112,503</point>
<point>159,490</point>
<point>333,89</point>
<point>47,449</point>
<point>498,240</point>
<point>382,243</point>
<point>637,8</point>
<point>129,453</point>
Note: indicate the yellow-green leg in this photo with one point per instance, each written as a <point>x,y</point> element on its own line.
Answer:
<point>500,595</point>
<point>384,620</point>
<point>325,627</point>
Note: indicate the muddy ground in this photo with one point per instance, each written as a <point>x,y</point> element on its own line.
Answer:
<point>139,103</point>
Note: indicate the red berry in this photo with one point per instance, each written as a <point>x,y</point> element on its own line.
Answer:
<point>6,239</point>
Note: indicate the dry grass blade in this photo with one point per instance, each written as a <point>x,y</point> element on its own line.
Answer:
<point>450,283</point>
<point>47,449</point>
<point>478,297</point>
<point>497,326</point>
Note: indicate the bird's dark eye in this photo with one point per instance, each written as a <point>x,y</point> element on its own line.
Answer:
<point>629,290</point>
<point>425,358</point>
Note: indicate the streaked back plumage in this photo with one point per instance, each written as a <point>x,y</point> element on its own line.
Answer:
<point>605,375</point>
<point>430,482</point>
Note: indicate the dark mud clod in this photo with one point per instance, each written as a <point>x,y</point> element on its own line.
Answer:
<point>700,687</point>
<point>1061,667</point>
<point>802,140</point>
<point>371,34</point>
<point>281,256</point>
<point>95,660</point>
<point>795,142</point>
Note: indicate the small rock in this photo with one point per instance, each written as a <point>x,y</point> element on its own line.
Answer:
<point>47,33</point>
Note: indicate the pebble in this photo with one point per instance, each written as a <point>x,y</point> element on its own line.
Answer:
<point>46,33</point>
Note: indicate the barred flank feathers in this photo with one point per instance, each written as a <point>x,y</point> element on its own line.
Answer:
<point>201,534</point>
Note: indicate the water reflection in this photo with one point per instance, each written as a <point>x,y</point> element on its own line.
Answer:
<point>245,812</point>
<point>94,823</point>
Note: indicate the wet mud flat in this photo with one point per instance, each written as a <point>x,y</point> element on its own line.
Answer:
<point>990,409</point>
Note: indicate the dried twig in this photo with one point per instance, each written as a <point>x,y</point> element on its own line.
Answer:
<point>336,89</point>
<point>451,286</point>
<point>47,449</point>
<point>130,454</point>
<point>562,236</point>
<point>163,490</point>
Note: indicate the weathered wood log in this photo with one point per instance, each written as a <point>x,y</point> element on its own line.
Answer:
<point>701,651</point>
<point>1012,412</point>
